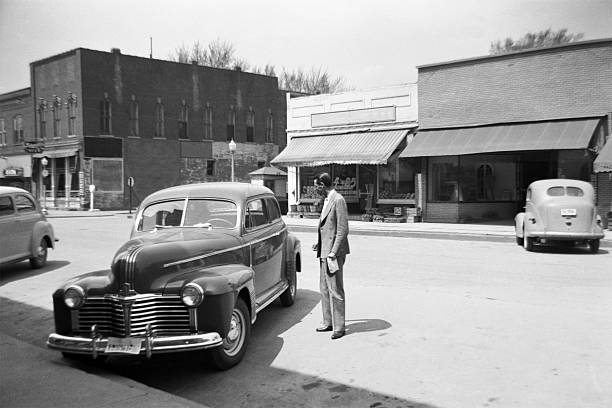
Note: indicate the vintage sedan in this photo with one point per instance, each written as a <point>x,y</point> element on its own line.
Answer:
<point>203,260</point>
<point>24,230</point>
<point>559,210</point>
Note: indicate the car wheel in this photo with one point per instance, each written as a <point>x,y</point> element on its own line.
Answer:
<point>593,245</point>
<point>519,241</point>
<point>235,342</point>
<point>40,259</point>
<point>287,298</point>
<point>528,243</point>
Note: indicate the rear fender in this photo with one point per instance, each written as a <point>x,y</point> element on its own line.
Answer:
<point>42,229</point>
<point>519,221</point>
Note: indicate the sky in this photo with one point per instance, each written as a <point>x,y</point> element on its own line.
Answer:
<point>369,44</point>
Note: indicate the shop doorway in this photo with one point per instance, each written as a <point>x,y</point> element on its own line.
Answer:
<point>533,168</point>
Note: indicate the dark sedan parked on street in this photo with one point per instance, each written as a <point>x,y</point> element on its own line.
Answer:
<point>203,260</point>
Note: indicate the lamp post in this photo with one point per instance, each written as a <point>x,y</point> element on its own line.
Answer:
<point>45,174</point>
<point>232,149</point>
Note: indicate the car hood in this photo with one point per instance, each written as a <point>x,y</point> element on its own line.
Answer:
<point>148,262</point>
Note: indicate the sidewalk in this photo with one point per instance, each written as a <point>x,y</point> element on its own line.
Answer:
<point>465,232</point>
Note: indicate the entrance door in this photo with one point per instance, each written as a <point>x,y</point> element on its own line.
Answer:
<point>534,166</point>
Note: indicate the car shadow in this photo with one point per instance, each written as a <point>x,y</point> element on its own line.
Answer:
<point>22,270</point>
<point>567,250</point>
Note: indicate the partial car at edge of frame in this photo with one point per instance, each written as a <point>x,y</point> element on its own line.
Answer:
<point>559,210</point>
<point>26,233</point>
<point>202,261</point>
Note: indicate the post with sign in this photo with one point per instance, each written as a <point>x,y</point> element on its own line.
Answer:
<point>130,182</point>
<point>92,188</point>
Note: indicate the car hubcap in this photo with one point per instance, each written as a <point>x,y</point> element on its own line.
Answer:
<point>234,338</point>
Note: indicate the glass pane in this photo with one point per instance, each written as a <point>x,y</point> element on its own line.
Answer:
<point>443,179</point>
<point>6,206</point>
<point>255,214</point>
<point>574,192</point>
<point>24,204</point>
<point>396,180</point>
<point>556,191</point>
<point>217,213</point>
<point>168,213</point>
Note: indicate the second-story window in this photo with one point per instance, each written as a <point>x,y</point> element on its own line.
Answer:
<point>18,129</point>
<point>134,116</point>
<point>270,127</point>
<point>2,132</point>
<point>159,118</point>
<point>183,120</point>
<point>106,115</point>
<point>231,123</point>
<point>57,108</point>
<point>42,119</point>
<point>208,122</point>
<point>250,125</point>
<point>72,104</point>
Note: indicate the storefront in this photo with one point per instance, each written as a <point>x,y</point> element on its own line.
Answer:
<point>476,174</point>
<point>59,178</point>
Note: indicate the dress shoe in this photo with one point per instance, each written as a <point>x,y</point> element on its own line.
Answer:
<point>324,328</point>
<point>338,334</point>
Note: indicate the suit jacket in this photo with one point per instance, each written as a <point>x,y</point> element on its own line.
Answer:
<point>333,227</point>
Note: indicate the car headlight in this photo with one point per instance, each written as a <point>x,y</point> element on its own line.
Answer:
<point>74,297</point>
<point>192,294</point>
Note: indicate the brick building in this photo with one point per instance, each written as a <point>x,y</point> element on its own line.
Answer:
<point>489,126</point>
<point>102,117</point>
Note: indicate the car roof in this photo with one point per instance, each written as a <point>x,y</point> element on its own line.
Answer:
<point>539,184</point>
<point>237,192</point>
<point>12,190</point>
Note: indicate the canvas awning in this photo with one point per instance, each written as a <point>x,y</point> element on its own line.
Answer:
<point>603,162</point>
<point>562,134</point>
<point>366,147</point>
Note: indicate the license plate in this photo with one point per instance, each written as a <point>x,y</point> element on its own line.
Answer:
<point>568,212</point>
<point>118,345</point>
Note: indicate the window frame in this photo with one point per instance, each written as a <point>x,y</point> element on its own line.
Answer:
<point>208,121</point>
<point>159,120</point>
<point>250,125</point>
<point>18,134</point>
<point>258,227</point>
<point>106,116</point>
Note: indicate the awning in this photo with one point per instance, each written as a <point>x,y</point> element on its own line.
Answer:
<point>564,134</point>
<point>603,162</point>
<point>367,147</point>
<point>56,153</point>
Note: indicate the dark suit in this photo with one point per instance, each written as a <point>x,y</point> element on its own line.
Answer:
<point>333,237</point>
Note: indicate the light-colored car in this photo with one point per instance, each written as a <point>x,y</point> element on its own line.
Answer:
<point>25,232</point>
<point>202,262</point>
<point>559,210</point>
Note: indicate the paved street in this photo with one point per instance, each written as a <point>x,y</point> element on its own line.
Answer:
<point>431,323</point>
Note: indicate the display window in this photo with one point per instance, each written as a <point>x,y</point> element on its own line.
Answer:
<point>396,180</point>
<point>344,178</point>
<point>308,191</point>
<point>487,178</point>
<point>443,182</point>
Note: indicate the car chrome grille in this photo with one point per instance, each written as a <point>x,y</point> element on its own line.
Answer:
<point>129,316</point>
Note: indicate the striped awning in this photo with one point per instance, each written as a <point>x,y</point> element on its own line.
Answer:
<point>366,147</point>
<point>603,162</point>
<point>553,135</point>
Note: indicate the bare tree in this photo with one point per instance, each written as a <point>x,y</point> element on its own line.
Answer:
<point>546,38</point>
<point>221,54</point>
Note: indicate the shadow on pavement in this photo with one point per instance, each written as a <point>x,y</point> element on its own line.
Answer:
<point>567,250</point>
<point>22,270</point>
<point>255,382</point>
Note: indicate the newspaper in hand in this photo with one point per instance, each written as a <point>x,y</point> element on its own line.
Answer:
<point>332,265</point>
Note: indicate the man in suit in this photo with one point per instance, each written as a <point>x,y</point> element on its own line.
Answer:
<point>332,245</point>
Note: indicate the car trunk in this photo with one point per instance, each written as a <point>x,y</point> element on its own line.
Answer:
<point>573,216</point>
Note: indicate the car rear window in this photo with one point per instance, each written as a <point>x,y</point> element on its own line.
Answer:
<point>565,191</point>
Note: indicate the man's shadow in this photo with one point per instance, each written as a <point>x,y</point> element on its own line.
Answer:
<point>366,325</point>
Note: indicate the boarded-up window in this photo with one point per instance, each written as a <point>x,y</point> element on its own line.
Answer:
<point>108,174</point>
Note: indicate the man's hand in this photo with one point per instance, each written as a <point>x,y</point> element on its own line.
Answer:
<point>332,256</point>
<point>315,246</point>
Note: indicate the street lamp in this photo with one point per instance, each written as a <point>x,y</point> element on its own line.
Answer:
<point>232,149</point>
<point>45,174</point>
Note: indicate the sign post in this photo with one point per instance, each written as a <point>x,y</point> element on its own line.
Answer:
<point>130,182</point>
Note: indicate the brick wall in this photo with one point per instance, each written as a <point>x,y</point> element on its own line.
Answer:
<point>554,83</point>
<point>13,104</point>
<point>603,188</point>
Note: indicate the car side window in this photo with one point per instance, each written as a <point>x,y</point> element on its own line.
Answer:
<point>24,204</point>
<point>273,210</point>
<point>255,214</point>
<point>6,206</point>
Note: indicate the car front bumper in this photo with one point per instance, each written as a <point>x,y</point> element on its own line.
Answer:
<point>97,345</point>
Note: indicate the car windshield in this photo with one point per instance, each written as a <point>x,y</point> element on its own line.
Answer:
<point>195,213</point>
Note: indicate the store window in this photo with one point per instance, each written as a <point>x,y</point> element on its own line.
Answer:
<point>344,181</point>
<point>442,175</point>
<point>487,178</point>
<point>308,191</point>
<point>396,180</point>
<point>108,174</point>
